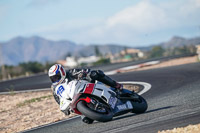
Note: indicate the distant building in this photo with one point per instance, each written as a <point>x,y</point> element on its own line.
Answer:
<point>72,62</point>
<point>88,60</point>
<point>126,55</point>
<point>135,52</point>
<point>69,62</point>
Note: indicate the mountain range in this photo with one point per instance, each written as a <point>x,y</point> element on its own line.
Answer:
<point>35,48</point>
<point>180,41</point>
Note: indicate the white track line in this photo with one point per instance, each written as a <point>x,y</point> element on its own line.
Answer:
<point>49,124</point>
<point>147,86</point>
<point>24,91</point>
<point>111,72</point>
<point>131,67</point>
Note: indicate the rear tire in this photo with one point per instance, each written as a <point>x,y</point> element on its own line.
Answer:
<point>92,114</point>
<point>139,106</point>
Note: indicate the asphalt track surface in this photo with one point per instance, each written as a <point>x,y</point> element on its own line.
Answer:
<point>174,101</point>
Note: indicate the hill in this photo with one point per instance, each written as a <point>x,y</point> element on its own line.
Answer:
<point>35,48</point>
<point>180,41</point>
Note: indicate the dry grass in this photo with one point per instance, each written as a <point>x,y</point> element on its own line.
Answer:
<point>188,129</point>
<point>23,111</point>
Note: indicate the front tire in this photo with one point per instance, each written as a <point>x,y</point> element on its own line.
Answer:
<point>92,114</point>
<point>139,106</point>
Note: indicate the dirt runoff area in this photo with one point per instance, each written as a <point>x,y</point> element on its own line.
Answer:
<point>24,111</point>
<point>188,129</point>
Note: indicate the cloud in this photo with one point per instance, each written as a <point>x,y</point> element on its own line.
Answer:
<point>147,17</point>
<point>131,25</point>
<point>73,29</point>
<point>138,17</point>
<point>72,24</point>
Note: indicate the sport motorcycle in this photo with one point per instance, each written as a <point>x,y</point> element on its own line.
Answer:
<point>97,101</point>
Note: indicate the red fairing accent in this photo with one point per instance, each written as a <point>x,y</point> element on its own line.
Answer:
<point>87,99</point>
<point>77,112</point>
<point>89,88</point>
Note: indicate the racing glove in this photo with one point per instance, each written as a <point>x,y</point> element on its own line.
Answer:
<point>66,111</point>
<point>82,75</point>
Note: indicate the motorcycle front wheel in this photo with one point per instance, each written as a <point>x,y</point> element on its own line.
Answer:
<point>98,115</point>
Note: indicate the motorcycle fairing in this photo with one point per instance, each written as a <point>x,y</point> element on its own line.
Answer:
<point>101,91</point>
<point>89,88</point>
<point>74,89</point>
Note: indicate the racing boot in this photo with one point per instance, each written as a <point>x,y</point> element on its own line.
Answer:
<point>87,120</point>
<point>119,86</point>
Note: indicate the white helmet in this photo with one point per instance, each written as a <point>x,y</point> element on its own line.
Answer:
<point>57,74</point>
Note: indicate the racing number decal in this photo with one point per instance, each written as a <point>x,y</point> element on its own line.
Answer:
<point>60,91</point>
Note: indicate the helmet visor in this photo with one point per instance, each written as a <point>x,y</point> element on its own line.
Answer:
<point>55,78</point>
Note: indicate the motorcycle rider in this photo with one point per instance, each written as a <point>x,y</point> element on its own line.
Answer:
<point>58,75</point>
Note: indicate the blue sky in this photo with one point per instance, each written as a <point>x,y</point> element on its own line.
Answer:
<point>125,22</point>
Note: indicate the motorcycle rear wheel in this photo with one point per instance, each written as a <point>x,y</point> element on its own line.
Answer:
<point>92,114</point>
<point>139,106</point>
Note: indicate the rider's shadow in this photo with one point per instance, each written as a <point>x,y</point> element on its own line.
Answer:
<point>149,111</point>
